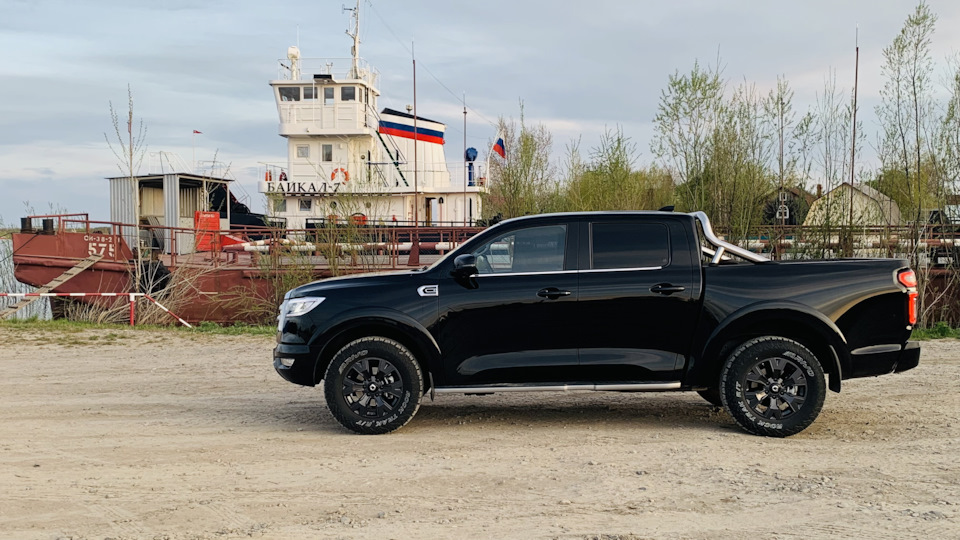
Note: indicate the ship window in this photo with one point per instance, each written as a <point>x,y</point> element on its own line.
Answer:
<point>328,95</point>
<point>279,205</point>
<point>309,92</point>
<point>290,93</point>
<point>306,205</point>
<point>303,150</point>
<point>327,152</point>
<point>348,93</point>
<point>629,245</point>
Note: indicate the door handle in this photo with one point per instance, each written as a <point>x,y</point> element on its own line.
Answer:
<point>552,293</point>
<point>666,288</point>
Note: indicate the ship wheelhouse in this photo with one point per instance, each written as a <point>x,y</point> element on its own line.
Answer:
<point>349,160</point>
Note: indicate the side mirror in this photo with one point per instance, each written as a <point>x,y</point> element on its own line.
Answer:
<point>464,268</point>
<point>465,265</point>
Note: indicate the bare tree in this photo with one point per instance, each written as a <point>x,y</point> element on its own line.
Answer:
<point>686,121</point>
<point>906,112</point>
<point>520,183</point>
<point>130,150</point>
<point>611,180</point>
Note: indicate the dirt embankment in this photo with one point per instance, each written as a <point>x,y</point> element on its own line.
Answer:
<point>153,434</point>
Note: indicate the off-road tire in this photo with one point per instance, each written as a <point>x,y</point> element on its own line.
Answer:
<point>373,385</point>
<point>773,386</point>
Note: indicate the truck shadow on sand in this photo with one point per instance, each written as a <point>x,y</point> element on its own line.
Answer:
<point>568,411</point>
<point>538,411</point>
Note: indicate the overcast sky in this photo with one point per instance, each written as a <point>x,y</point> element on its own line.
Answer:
<point>579,68</point>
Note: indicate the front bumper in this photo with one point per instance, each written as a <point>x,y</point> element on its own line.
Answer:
<point>883,359</point>
<point>295,363</point>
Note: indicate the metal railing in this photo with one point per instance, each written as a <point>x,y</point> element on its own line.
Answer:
<point>384,244</point>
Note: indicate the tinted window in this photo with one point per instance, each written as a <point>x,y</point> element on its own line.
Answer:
<point>348,93</point>
<point>537,249</point>
<point>291,93</point>
<point>629,245</point>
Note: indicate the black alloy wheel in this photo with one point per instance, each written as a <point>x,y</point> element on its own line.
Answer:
<point>372,388</point>
<point>773,386</point>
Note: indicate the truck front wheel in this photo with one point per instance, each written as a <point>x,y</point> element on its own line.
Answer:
<point>773,386</point>
<point>373,385</point>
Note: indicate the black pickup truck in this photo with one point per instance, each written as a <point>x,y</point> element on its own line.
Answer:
<point>610,301</point>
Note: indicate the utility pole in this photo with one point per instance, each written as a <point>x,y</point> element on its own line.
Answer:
<point>853,143</point>
<point>464,159</point>
<point>414,258</point>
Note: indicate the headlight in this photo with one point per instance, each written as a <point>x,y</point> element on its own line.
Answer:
<point>299,306</point>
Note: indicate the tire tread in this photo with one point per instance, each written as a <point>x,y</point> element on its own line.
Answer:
<point>331,384</point>
<point>818,386</point>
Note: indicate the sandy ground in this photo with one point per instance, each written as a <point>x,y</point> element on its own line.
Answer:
<point>169,435</point>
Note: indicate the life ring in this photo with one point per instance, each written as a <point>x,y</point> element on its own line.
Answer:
<point>346,175</point>
<point>268,177</point>
<point>358,219</point>
<point>282,177</point>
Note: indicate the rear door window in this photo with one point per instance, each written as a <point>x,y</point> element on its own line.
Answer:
<point>624,245</point>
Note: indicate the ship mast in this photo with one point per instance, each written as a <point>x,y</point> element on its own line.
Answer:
<point>355,50</point>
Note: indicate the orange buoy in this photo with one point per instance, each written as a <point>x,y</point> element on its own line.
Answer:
<point>341,170</point>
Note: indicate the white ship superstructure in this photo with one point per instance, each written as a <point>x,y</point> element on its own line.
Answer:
<point>349,161</point>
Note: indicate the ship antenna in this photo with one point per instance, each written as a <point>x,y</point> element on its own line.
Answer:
<point>355,50</point>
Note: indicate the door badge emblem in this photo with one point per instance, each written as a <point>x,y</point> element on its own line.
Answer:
<point>429,290</point>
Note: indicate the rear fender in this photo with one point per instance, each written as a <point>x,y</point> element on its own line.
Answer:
<point>781,318</point>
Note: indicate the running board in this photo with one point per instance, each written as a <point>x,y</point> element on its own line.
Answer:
<point>641,387</point>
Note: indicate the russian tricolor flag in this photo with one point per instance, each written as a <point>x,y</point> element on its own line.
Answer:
<point>399,124</point>
<point>498,148</point>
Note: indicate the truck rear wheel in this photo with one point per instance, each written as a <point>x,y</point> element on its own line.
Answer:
<point>373,385</point>
<point>773,386</point>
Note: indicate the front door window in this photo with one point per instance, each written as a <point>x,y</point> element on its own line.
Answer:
<point>537,249</point>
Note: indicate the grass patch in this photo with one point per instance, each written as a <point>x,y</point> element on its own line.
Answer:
<point>938,331</point>
<point>237,329</point>
<point>57,325</point>
<point>72,327</point>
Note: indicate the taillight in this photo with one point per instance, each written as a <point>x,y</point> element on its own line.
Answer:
<point>908,278</point>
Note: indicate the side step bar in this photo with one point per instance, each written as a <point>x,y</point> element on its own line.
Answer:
<point>640,387</point>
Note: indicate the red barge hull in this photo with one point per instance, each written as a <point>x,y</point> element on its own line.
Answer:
<point>224,277</point>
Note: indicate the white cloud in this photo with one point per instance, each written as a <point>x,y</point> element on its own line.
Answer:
<point>580,69</point>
